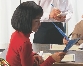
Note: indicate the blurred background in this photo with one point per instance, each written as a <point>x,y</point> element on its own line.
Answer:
<point>7,8</point>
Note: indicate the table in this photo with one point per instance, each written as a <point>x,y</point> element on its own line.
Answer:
<point>68,64</point>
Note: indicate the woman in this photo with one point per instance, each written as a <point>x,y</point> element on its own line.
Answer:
<point>26,18</point>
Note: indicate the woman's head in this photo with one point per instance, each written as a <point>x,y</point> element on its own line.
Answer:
<point>26,16</point>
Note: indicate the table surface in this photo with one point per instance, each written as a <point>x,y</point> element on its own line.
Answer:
<point>67,64</point>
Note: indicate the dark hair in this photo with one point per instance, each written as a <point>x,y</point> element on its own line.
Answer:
<point>23,16</point>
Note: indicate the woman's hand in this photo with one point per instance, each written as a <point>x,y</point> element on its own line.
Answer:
<point>38,60</point>
<point>58,56</point>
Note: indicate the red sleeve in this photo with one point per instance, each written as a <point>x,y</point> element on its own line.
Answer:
<point>48,62</point>
<point>26,55</point>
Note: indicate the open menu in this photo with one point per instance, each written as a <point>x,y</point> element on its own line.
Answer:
<point>70,44</point>
<point>61,32</point>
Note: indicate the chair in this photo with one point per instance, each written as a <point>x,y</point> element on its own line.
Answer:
<point>3,62</point>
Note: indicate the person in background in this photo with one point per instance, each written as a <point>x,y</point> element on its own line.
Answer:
<point>47,33</point>
<point>77,33</point>
<point>26,18</point>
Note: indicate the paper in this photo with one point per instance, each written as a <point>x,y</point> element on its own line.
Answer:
<point>68,58</point>
<point>62,14</point>
<point>61,47</point>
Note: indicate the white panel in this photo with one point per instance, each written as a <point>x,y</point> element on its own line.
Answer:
<point>7,8</point>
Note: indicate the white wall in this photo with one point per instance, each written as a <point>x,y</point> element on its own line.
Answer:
<point>77,13</point>
<point>3,23</point>
<point>14,4</point>
<point>7,8</point>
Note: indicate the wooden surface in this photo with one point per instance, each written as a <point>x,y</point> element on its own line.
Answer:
<point>61,47</point>
<point>67,64</point>
<point>58,48</point>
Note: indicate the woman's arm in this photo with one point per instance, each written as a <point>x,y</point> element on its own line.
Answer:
<point>26,55</point>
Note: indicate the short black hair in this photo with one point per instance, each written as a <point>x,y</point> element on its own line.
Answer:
<point>23,16</point>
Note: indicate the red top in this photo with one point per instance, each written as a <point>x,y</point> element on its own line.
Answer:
<point>20,51</point>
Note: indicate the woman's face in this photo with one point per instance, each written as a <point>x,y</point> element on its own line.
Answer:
<point>36,23</point>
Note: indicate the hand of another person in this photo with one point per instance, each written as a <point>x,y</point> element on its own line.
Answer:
<point>58,56</point>
<point>65,41</point>
<point>54,13</point>
<point>60,18</point>
<point>37,60</point>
